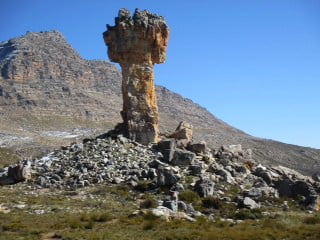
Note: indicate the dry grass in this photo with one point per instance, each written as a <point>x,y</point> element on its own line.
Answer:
<point>102,213</point>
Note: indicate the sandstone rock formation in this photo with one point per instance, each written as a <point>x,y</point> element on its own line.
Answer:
<point>137,43</point>
<point>70,92</point>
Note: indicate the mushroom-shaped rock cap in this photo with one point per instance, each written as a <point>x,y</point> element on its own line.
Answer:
<point>137,39</point>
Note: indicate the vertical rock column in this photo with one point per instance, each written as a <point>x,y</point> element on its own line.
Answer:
<point>137,43</point>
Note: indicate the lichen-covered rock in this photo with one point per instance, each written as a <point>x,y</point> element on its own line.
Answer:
<point>137,43</point>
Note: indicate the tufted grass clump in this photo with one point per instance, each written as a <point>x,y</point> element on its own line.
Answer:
<point>149,203</point>
<point>312,219</point>
<point>189,197</point>
<point>142,186</point>
<point>101,217</point>
<point>243,214</point>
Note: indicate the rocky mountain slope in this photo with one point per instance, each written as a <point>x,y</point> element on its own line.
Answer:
<point>49,96</point>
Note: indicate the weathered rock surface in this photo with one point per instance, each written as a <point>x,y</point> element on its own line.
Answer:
<point>137,43</point>
<point>184,131</point>
<point>204,187</point>
<point>19,172</point>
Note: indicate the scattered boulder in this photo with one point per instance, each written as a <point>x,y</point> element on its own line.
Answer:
<point>226,175</point>
<point>183,158</point>
<point>167,176</point>
<point>232,148</point>
<point>198,148</point>
<point>183,131</point>
<point>167,214</point>
<point>204,187</point>
<point>259,192</point>
<point>167,148</point>
<point>20,172</point>
<point>248,203</point>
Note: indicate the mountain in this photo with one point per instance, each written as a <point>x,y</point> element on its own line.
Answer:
<point>50,96</point>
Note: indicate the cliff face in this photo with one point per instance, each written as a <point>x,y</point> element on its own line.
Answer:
<point>42,73</point>
<point>46,86</point>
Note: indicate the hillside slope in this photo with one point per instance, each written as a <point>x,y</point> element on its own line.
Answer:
<point>50,96</point>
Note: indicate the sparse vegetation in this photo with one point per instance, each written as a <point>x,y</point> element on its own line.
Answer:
<point>142,186</point>
<point>102,213</point>
<point>148,203</point>
<point>189,197</point>
<point>7,157</point>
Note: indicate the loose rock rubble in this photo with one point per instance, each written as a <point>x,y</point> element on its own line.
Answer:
<point>192,166</point>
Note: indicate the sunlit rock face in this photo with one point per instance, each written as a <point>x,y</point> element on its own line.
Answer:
<point>137,43</point>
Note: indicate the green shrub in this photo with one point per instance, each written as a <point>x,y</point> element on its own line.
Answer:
<point>88,225</point>
<point>189,196</point>
<point>149,203</point>
<point>244,214</point>
<point>149,216</point>
<point>142,186</point>
<point>149,225</point>
<point>101,217</point>
<point>211,202</point>
<point>312,220</point>
<point>74,222</point>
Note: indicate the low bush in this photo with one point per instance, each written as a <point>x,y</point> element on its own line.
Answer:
<point>148,203</point>
<point>244,214</point>
<point>312,220</point>
<point>189,196</point>
<point>142,186</point>
<point>211,202</point>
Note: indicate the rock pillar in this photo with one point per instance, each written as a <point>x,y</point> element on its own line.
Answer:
<point>137,43</point>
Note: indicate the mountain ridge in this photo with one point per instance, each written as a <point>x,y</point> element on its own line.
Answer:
<point>42,77</point>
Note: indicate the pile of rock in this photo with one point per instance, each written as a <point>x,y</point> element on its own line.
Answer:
<point>177,164</point>
<point>95,161</point>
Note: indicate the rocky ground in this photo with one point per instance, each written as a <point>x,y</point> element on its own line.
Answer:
<point>182,167</point>
<point>169,190</point>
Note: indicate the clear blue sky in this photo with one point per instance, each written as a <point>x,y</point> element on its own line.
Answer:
<point>254,64</point>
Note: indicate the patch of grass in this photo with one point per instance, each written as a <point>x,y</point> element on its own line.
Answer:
<point>7,157</point>
<point>312,220</point>
<point>94,216</point>
<point>74,222</point>
<point>189,197</point>
<point>100,217</point>
<point>244,214</point>
<point>149,203</point>
<point>142,186</point>
<point>149,216</point>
